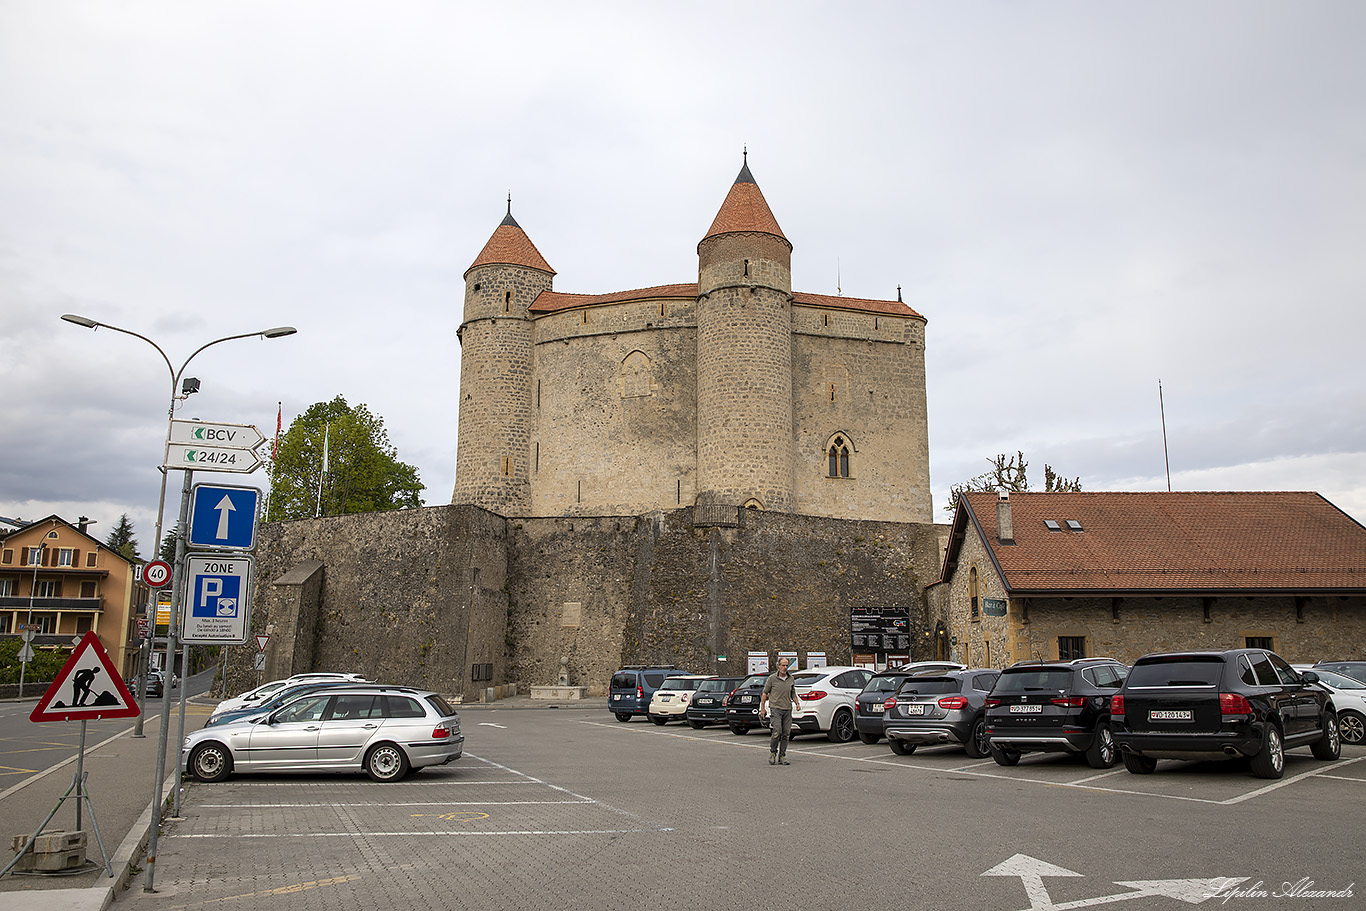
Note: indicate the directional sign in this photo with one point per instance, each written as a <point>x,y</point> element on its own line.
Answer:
<point>217,606</point>
<point>223,517</point>
<point>157,573</point>
<point>202,433</point>
<point>188,456</point>
<point>86,687</point>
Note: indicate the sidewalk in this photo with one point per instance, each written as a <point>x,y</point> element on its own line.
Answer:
<point>119,771</point>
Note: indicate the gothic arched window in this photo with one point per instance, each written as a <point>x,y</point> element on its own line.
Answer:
<point>838,454</point>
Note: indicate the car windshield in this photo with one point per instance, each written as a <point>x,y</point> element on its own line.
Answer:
<point>884,683</point>
<point>1337,680</point>
<point>753,680</point>
<point>442,707</point>
<point>678,683</point>
<point>623,681</point>
<point>928,686</point>
<point>806,679</point>
<point>1034,679</point>
<point>1187,671</point>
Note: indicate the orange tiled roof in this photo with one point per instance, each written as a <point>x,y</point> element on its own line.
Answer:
<point>554,301</point>
<point>510,245</point>
<point>1178,542</point>
<point>745,209</point>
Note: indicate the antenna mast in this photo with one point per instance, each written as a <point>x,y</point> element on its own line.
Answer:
<point>1162,408</point>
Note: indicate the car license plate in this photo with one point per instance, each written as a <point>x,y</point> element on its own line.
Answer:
<point>1026,709</point>
<point>747,699</point>
<point>616,697</point>
<point>1170,715</point>
<point>703,701</point>
<point>916,709</point>
<point>666,699</point>
<point>874,709</point>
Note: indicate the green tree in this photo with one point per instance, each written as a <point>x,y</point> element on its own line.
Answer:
<point>1010,473</point>
<point>121,539</point>
<point>363,475</point>
<point>167,551</point>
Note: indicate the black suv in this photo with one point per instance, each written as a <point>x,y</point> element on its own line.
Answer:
<point>708,705</point>
<point>742,705</point>
<point>943,708</point>
<point>1222,705</point>
<point>632,687</point>
<point>870,704</point>
<point>1055,707</point>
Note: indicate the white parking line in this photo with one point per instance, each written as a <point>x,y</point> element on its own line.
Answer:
<point>969,770</point>
<point>442,832</point>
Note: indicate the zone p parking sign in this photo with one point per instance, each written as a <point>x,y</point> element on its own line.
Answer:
<point>217,607</point>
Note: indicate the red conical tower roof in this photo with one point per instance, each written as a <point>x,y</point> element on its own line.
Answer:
<point>745,209</point>
<point>510,246</point>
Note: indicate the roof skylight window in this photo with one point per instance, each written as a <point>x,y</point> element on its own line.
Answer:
<point>1073,525</point>
<point>1051,525</point>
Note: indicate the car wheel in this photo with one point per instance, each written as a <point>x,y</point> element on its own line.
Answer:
<point>1351,727</point>
<point>1329,746</point>
<point>1005,757</point>
<point>658,719</point>
<point>1101,754</point>
<point>1139,765</point>
<point>977,745</point>
<point>901,747</point>
<point>842,728</point>
<point>868,738</point>
<point>739,729</point>
<point>211,762</point>
<point>696,725</point>
<point>386,762</point>
<point>623,716</point>
<point>1270,759</point>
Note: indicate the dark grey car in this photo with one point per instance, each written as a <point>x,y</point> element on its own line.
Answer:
<point>947,708</point>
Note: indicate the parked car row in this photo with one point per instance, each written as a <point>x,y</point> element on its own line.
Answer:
<point>1200,705</point>
<point>326,722</point>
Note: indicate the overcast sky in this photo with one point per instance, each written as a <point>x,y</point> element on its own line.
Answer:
<point>1083,199</point>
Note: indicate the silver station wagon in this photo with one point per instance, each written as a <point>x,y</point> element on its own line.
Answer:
<point>382,730</point>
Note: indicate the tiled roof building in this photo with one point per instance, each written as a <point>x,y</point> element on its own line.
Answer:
<point>1049,575</point>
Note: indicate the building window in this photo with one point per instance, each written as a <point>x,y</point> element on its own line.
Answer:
<point>838,455</point>
<point>752,503</point>
<point>46,588</point>
<point>90,559</point>
<point>66,556</point>
<point>1071,647</point>
<point>6,588</point>
<point>1265,642</point>
<point>972,594</point>
<point>88,588</point>
<point>7,556</point>
<point>33,556</point>
<point>83,625</point>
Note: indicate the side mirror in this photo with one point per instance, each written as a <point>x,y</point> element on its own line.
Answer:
<point>1309,677</point>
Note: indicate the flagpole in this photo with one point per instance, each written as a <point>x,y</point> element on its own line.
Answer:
<point>318,510</point>
<point>274,447</point>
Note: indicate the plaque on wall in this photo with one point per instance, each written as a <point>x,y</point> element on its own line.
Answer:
<point>994,607</point>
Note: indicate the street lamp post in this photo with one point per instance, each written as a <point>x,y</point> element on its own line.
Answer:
<point>88,323</point>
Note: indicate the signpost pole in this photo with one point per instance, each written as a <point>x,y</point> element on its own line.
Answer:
<point>176,597</point>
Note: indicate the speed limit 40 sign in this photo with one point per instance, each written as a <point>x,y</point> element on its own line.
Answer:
<point>157,573</point>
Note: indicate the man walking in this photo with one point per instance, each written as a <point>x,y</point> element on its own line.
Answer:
<point>779,694</point>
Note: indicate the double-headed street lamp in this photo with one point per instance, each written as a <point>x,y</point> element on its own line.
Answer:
<point>88,323</point>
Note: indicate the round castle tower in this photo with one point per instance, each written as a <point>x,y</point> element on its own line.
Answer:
<point>497,416</point>
<point>744,356</point>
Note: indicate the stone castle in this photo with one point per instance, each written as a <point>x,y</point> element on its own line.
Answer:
<point>683,474</point>
<point>734,391</point>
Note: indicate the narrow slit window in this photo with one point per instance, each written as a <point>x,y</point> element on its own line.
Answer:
<point>507,466</point>
<point>832,392</point>
<point>507,301</point>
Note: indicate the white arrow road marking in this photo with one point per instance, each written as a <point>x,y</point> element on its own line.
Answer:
<point>224,507</point>
<point>1031,872</point>
<point>1190,891</point>
<point>490,724</point>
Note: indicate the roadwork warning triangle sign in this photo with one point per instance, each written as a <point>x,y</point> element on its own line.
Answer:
<point>87,687</point>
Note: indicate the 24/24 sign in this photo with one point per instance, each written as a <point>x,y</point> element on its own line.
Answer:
<point>217,600</point>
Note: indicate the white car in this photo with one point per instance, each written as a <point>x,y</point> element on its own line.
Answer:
<point>1349,698</point>
<point>670,701</point>
<point>266,690</point>
<point>825,701</point>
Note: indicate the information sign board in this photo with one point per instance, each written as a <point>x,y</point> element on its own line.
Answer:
<point>880,629</point>
<point>217,608</point>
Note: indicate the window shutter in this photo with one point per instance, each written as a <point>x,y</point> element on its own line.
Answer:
<point>88,589</point>
<point>90,559</point>
<point>48,556</point>
<point>7,556</point>
<point>23,556</point>
<point>75,556</point>
<point>57,589</point>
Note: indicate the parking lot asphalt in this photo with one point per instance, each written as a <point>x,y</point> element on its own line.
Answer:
<point>565,807</point>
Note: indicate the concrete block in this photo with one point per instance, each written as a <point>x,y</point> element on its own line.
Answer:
<point>51,851</point>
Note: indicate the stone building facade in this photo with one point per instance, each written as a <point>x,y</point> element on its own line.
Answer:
<point>731,391</point>
<point>1043,576</point>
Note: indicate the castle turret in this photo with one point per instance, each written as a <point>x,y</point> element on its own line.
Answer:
<point>492,459</point>
<point>744,355</point>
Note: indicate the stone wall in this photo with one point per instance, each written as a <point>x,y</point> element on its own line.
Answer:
<point>431,597</point>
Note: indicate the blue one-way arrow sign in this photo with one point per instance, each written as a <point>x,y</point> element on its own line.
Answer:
<point>223,517</point>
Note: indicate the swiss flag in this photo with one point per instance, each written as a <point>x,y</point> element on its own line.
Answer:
<point>87,687</point>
